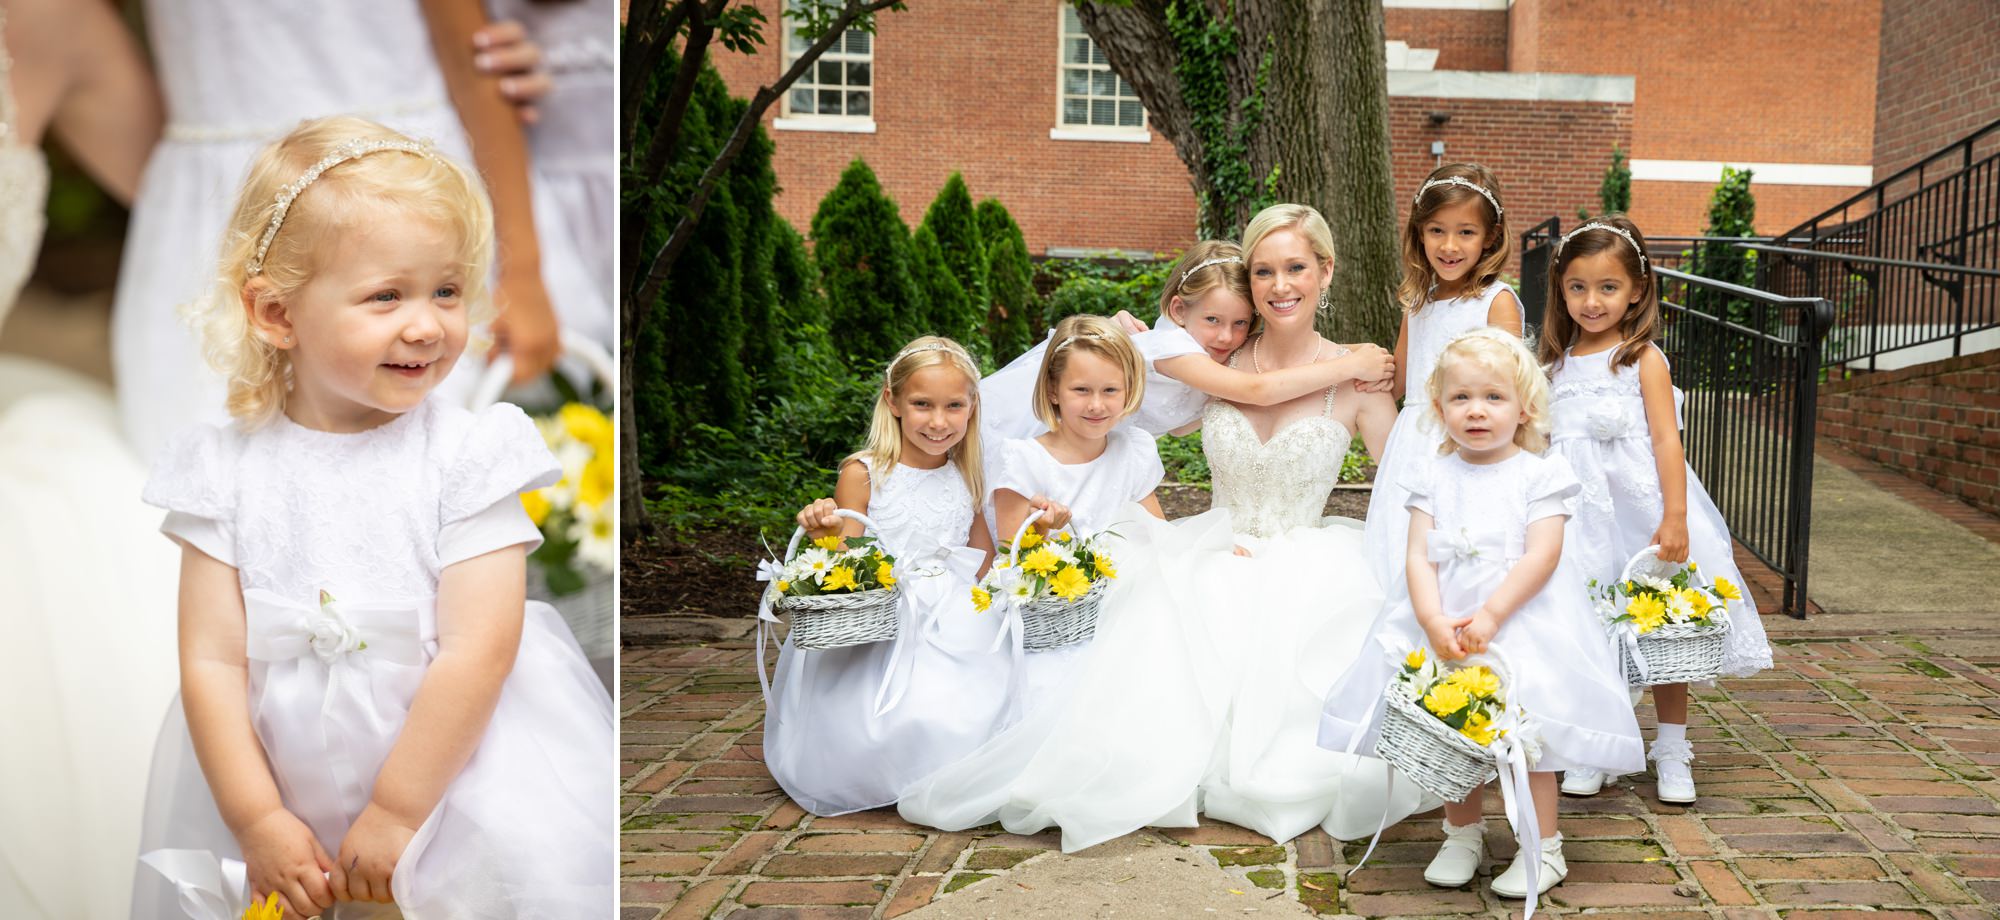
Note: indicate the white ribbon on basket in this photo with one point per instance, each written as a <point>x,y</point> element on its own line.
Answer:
<point>919,624</point>
<point>500,369</point>
<point>1013,628</point>
<point>1513,756</point>
<point>207,887</point>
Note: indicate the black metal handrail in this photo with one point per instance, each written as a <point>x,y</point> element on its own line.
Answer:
<point>1886,307</point>
<point>1959,157</point>
<point>1537,247</point>
<point>1752,396</point>
<point>1853,259</point>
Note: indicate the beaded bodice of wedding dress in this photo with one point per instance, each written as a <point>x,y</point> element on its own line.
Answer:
<point>1273,486</point>
<point>24,192</point>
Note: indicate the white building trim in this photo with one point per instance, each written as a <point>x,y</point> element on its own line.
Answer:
<point>1710,172</point>
<point>827,123</point>
<point>1447,4</point>
<point>1540,87</point>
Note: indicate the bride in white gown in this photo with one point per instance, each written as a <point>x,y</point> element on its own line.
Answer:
<point>1203,689</point>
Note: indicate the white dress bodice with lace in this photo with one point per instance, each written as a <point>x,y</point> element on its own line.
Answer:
<point>24,194</point>
<point>1273,486</point>
<point>1434,326</point>
<point>917,507</point>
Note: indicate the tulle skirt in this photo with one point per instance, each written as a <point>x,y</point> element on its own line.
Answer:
<point>1413,440</point>
<point>88,615</point>
<point>1197,694</point>
<point>525,831</point>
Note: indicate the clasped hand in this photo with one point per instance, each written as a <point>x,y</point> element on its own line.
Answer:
<point>281,855</point>
<point>1456,637</point>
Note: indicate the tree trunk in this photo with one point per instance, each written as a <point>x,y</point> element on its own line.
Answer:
<point>1363,200</point>
<point>632,520</point>
<point>1315,131</point>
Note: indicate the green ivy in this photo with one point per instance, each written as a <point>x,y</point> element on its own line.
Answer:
<point>1203,45</point>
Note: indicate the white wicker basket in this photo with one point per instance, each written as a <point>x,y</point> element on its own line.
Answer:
<point>1672,654</point>
<point>1052,622</point>
<point>1430,752</point>
<point>824,621</point>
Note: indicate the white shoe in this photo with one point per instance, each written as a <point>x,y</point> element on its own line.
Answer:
<point>1585,782</point>
<point>1670,767</point>
<point>1513,883</point>
<point>1458,859</point>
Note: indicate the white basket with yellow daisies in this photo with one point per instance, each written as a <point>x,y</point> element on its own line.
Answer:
<point>575,567</point>
<point>1451,729</point>
<point>838,592</point>
<point>1051,586</point>
<point>1669,624</point>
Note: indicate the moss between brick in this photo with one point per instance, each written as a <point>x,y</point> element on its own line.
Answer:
<point>1268,878</point>
<point>965,878</point>
<point>1248,856</point>
<point>997,858</point>
<point>1926,668</point>
<point>1326,900</point>
<point>642,822</point>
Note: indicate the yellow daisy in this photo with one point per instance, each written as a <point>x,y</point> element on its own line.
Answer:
<point>829,543</point>
<point>1727,591</point>
<point>1648,612</point>
<point>1414,660</point>
<point>1040,562</point>
<point>1069,583</point>
<point>1445,699</point>
<point>1479,681</point>
<point>982,600</point>
<point>841,578</point>
<point>886,574</point>
<point>1103,566</point>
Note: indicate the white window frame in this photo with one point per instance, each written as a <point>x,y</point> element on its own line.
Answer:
<point>787,119</point>
<point>1063,131</point>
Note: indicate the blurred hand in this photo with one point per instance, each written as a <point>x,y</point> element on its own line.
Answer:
<point>526,327</point>
<point>505,51</point>
<point>1055,515</point>
<point>819,519</point>
<point>1126,321</point>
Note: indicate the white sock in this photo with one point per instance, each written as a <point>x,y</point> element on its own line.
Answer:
<point>1670,731</point>
<point>1449,827</point>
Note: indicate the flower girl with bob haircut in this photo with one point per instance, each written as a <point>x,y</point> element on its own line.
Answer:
<point>1486,575</point>
<point>378,713</point>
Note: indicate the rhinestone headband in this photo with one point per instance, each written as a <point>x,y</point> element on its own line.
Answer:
<point>1065,343</point>
<point>1462,182</point>
<point>913,350</point>
<point>1224,260</point>
<point>1594,225</point>
<point>347,150</point>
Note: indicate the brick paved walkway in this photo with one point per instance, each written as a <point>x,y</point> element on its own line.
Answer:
<point>1856,776</point>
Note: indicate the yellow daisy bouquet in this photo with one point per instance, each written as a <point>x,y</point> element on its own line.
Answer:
<point>1470,700</point>
<point>1036,567</point>
<point>834,565</point>
<point>1649,602</point>
<point>575,515</point>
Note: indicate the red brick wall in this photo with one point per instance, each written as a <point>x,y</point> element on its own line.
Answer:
<point>981,101</point>
<point>1548,156</point>
<point>1116,195</point>
<point>1464,39</point>
<point>1681,208</point>
<point>1936,423</point>
<point>1939,79</point>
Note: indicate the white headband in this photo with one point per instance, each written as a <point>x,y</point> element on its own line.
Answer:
<point>1224,260</point>
<point>1594,225</point>
<point>1463,182</point>
<point>912,350</point>
<point>1065,343</point>
<point>347,150</point>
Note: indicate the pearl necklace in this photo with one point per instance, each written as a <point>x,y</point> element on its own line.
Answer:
<point>1257,348</point>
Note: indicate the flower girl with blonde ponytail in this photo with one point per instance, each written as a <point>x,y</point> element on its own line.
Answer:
<point>378,714</point>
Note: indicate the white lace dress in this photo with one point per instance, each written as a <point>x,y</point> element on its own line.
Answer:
<point>1416,435</point>
<point>1202,689</point>
<point>237,76</point>
<point>372,519</point>
<point>846,729</point>
<point>1564,673</point>
<point>1601,429</point>
<point>86,591</point>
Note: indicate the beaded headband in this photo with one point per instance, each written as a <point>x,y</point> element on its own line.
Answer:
<point>1594,225</point>
<point>913,350</point>
<point>346,150</point>
<point>1065,343</point>
<point>1462,182</point>
<point>1224,260</point>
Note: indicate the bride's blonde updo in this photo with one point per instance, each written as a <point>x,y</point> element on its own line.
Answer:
<point>311,209</point>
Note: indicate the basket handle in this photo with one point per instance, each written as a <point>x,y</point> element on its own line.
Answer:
<point>792,548</point>
<point>1651,552</point>
<point>1014,548</point>
<point>500,369</point>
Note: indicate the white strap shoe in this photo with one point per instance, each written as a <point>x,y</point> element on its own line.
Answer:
<point>1670,767</point>
<point>1586,782</point>
<point>1458,859</point>
<point>1513,883</point>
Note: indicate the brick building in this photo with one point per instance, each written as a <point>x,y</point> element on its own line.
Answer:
<point>1015,96</point>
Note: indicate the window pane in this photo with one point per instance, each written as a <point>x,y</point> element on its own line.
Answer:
<point>829,102</point>
<point>1103,83</point>
<point>1075,82</point>
<point>858,42</point>
<point>1103,112</point>
<point>829,73</point>
<point>1079,51</point>
<point>857,103</point>
<point>1130,115</point>
<point>1125,89</point>
<point>1071,22</point>
<point>1076,111</point>
<point>1097,55</point>
<point>857,73</point>
<point>802,101</point>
